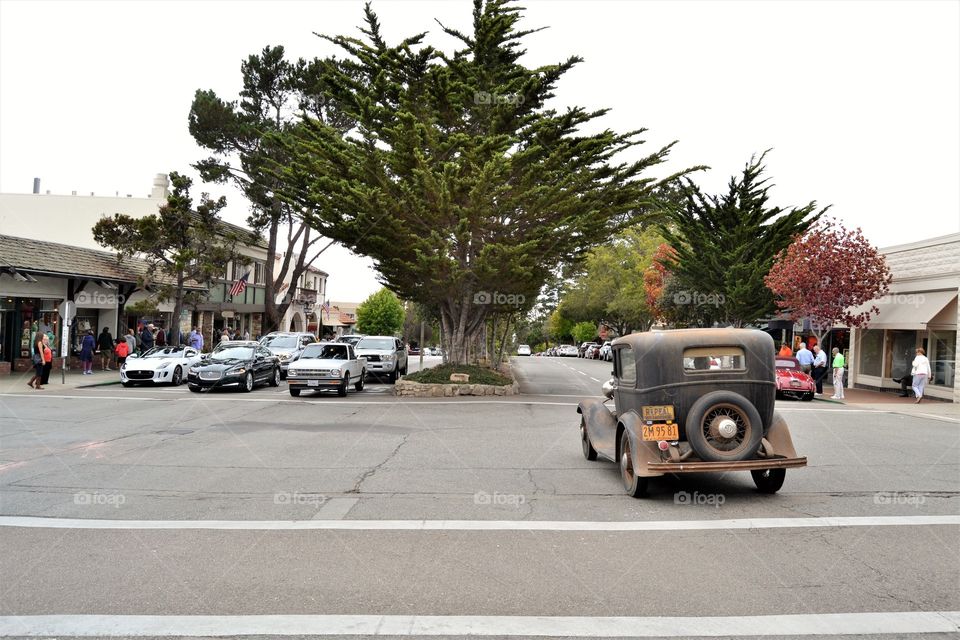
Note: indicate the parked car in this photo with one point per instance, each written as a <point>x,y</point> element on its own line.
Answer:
<point>287,346</point>
<point>582,350</point>
<point>160,365</point>
<point>351,338</point>
<point>606,353</point>
<point>235,363</point>
<point>384,354</point>
<point>330,366</point>
<point>413,351</point>
<point>674,414</point>
<point>523,350</point>
<point>592,351</point>
<point>792,382</point>
<point>568,350</point>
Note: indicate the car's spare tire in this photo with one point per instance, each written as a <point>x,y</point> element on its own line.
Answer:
<point>723,426</point>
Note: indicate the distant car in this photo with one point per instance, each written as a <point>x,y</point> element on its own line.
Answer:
<point>242,364</point>
<point>569,351</point>
<point>287,346</point>
<point>332,365</point>
<point>582,350</point>
<point>592,351</point>
<point>523,350</point>
<point>792,382</point>
<point>160,365</point>
<point>351,338</point>
<point>413,351</point>
<point>606,353</point>
<point>384,354</point>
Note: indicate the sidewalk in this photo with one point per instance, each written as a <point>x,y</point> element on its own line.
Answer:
<point>890,401</point>
<point>74,379</point>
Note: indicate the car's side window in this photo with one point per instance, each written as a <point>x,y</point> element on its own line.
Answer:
<point>626,366</point>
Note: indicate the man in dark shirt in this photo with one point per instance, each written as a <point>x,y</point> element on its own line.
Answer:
<point>146,338</point>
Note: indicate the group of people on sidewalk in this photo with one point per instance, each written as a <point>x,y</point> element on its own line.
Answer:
<point>814,363</point>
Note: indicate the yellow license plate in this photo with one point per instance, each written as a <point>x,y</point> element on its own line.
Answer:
<point>655,432</point>
<point>658,412</point>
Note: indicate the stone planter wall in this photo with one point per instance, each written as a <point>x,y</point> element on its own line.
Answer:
<point>407,388</point>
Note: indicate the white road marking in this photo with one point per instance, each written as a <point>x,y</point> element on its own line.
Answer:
<point>834,624</point>
<point>594,379</point>
<point>485,525</point>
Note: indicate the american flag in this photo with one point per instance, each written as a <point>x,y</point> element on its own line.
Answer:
<point>240,285</point>
<point>326,307</point>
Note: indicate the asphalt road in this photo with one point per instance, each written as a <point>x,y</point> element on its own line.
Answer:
<point>172,513</point>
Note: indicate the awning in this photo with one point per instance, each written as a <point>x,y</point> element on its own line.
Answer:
<point>908,310</point>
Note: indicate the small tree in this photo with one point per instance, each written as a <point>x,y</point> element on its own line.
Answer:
<point>825,274</point>
<point>180,244</point>
<point>725,245</point>
<point>381,314</point>
<point>584,331</point>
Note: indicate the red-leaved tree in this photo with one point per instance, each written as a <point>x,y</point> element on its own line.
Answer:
<point>826,274</point>
<point>653,279</point>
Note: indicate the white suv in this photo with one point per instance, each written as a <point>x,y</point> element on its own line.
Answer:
<point>523,350</point>
<point>384,354</point>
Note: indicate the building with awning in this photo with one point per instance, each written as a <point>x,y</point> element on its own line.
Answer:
<point>920,310</point>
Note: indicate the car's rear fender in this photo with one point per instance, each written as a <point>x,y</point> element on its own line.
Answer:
<point>601,425</point>
<point>777,441</point>
<point>644,453</point>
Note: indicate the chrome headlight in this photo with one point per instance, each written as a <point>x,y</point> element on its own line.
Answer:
<point>240,368</point>
<point>292,373</point>
<point>283,356</point>
<point>335,373</point>
<point>390,357</point>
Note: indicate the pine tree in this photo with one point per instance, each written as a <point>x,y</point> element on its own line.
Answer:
<point>724,246</point>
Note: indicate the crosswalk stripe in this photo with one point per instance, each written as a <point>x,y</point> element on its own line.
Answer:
<point>835,624</point>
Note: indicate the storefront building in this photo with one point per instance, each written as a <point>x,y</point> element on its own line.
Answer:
<point>919,311</point>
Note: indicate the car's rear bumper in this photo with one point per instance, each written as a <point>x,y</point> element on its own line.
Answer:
<point>740,465</point>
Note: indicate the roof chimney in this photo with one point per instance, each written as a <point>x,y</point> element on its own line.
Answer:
<point>160,186</point>
<point>36,185</point>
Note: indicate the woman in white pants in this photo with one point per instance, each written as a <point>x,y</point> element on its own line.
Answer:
<point>921,371</point>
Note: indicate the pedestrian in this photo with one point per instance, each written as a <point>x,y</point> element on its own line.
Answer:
<point>785,351</point>
<point>839,363</point>
<point>122,350</point>
<point>105,346</point>
<point>921,372</point>
<point>87,347</point>
<point>196,339</point>
<point>819,367</point>
<point>37,355</point>
<point>225,335</point>
<point>246,335</point>
<point>47,360</point>
<point>160,338</point>
<point>146,338</point>
<point>131,341</point>
<point>805,358</point>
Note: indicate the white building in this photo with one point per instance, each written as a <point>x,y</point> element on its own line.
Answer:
<point>919,311</point>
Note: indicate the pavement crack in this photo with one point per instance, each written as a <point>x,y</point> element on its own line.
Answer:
<point>371,471</point>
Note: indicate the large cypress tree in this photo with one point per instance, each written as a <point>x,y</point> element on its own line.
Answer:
<point>458,180</point>
<point>725,246</point>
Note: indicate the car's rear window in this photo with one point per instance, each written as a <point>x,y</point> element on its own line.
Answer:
<point>714,359</point>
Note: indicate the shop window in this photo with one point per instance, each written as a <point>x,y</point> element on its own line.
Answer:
<point>871,352</point>
<point>943,357</point>
<point>901,350</point>
<point>257,273</point>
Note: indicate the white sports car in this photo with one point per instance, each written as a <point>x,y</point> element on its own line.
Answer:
<point>160,365</point>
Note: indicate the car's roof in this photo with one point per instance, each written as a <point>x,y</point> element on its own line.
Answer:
<point>382,337</point>
<point>239,343</point>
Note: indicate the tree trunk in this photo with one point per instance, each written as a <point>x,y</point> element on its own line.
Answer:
<point>173,334</point>
<point>462,322</point>
<point>271,320</point>
<point>503,344</point>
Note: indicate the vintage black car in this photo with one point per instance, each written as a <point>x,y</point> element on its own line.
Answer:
<point>690,401</point>
<point>240,364</point>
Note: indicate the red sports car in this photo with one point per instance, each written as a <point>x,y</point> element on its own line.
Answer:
<point>792,382</point>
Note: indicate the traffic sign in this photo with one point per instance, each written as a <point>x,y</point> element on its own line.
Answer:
<point>67,311</point>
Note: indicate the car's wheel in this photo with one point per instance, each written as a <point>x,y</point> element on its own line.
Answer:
<point>768,480</point>
<point>807,397</point>
<point>177,377</point>
<point>193,388</point>
<point>392,378</point>
<point>342,389</point>
<point>295,393</point>
<point>359,384</point>
<point>275,379</point>
<point>723,426</point>
<point>635,486</point>
<point>588,451</point>
<point>248,382</point>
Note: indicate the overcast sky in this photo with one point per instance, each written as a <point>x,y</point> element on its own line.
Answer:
<point>859,101</point>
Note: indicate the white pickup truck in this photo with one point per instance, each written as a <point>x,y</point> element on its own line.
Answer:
<point>327,365</point>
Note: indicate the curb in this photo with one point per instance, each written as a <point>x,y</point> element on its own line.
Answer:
<point>96,384</point>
